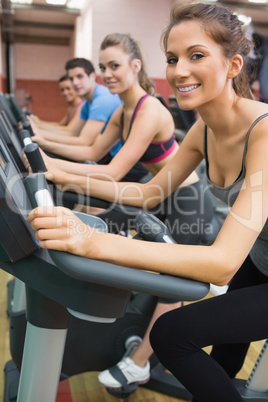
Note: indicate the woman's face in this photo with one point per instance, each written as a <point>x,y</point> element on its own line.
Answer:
<point>67,90</point>
<point>116,69</point>
<point>196,67</point>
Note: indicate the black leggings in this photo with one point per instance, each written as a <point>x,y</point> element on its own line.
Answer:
<point>229,322</point>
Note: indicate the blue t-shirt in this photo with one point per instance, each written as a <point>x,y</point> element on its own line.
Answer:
<point>101,108</point>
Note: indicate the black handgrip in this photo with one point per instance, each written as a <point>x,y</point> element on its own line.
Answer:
<point>25,137</point>
<point>150,228</point>
<point>35,158</point>
<point>27,125</point>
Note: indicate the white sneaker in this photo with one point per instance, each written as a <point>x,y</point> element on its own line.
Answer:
<point>132,372</point>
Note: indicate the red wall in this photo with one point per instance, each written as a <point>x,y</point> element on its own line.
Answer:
<point>47,102</point>
<point>2,84</point>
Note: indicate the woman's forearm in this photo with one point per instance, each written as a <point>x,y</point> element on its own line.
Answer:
<point>46,125</point>
<point>102,186</point>
<point>62,139</point>
<point>60,131</point>
<point>78,153</point>
<point>120,192</point>
<point>200,263</point>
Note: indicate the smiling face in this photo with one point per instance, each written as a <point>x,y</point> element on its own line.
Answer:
<point>67,90</point>
<point>118,72</point>
<point>197,70</point>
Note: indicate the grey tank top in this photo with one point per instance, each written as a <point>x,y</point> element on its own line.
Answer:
<point>228,195</point>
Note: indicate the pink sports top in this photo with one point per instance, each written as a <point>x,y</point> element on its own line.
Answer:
<point>156,151</point>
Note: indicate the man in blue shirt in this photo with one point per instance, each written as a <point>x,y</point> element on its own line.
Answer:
<point>99,106</point>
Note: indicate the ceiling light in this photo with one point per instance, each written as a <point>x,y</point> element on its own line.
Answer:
<point>22,1</point>
<point>244,19</point>
<point>56,2</point>
<point>258,1</point>
<point>76,4</point>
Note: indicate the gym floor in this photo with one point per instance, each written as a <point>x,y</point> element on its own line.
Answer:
<point>85,387</point>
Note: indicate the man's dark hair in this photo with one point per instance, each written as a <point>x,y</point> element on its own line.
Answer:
<point>80,62</point>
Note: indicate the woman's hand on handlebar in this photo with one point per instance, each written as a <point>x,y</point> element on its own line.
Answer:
<point>58,228</point>
<point>34,121</point>
<point>54,174</point>
<point>57,176</point>
<point>38,138</point>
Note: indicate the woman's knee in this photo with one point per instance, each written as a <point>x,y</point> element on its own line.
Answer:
<point>174,331</point>
<point>167,330</point>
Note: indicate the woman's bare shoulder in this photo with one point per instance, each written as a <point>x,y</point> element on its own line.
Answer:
<point>251,109</point>
<point>116,116</point>
<point>154,103</point>
<point>155,112</point>
<point>195,136</point>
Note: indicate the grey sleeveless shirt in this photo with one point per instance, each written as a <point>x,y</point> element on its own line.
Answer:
<point>228,195</point>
